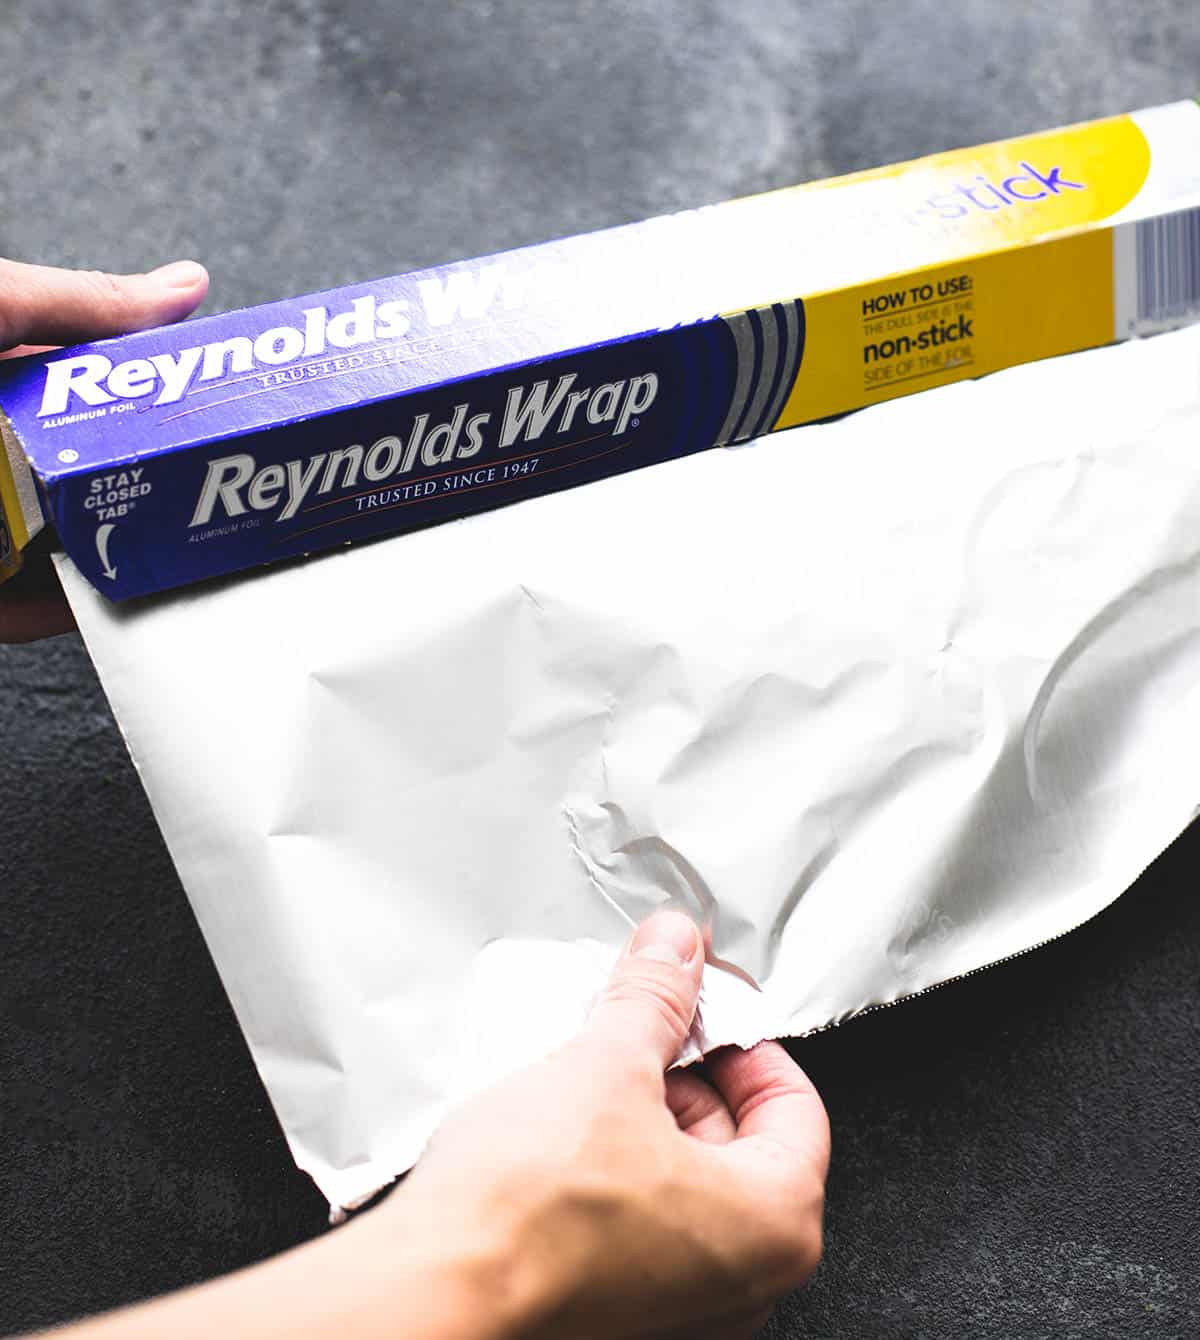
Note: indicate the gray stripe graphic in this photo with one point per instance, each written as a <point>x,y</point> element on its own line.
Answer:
<point>770,338</point>
<point>743,339</point>
<point>790,361</point>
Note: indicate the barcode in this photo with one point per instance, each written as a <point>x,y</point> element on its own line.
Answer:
<point>1168,266</point>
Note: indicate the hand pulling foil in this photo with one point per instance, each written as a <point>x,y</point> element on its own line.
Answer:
<point>882,701</point>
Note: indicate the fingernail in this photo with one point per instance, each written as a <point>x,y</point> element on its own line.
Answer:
<point>180,274</point>
<point>668,936</point>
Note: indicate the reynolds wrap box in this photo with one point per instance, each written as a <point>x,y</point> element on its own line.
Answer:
<point>229,441</point>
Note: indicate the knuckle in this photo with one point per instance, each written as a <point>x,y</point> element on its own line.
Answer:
<point>104,284</point>
<point>108,293</point>
<point>657,992</point>
<point>692,1102</point>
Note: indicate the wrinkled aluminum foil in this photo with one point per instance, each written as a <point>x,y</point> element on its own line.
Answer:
<point>880,701</point>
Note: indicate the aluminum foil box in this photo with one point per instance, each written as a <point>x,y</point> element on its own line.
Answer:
<point>240,439</point>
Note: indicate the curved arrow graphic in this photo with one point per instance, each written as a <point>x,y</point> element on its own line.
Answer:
<point>102,538</point>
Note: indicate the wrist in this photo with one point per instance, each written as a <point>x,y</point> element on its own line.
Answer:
<point>449,1277</point>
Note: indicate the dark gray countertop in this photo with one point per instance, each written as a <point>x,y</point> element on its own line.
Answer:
<point>1015,1155</point>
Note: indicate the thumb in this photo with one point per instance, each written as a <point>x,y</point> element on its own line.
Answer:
<point>649,1003</point>
<point>41,305</point>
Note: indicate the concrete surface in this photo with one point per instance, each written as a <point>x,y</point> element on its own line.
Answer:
<point>1016,1155</point>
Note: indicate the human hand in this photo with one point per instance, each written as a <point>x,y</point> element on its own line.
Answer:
<point>591,1197</point>
<point>596,1197</point>
<point>41,308</point>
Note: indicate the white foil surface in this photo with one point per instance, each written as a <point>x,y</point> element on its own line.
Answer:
<point>882,701</point>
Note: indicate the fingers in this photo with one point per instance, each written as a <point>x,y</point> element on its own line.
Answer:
<point>758,1324</point>
<point>46,306</point>
<point>739,1328</point>
<point>32,604</point>
<point>646,1009</point>
<point>698,1109</point>
<point>771,1098</point>
<point>781,1154</point>
<point>24,350</point>
<point>30,618</point>
<point>751,1329</point>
